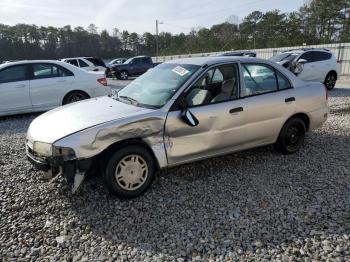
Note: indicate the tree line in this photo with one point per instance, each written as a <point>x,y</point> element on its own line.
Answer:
<point>316,22</point>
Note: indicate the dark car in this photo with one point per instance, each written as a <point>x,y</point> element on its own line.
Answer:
<point>134,66</point>
<point>239,53</point>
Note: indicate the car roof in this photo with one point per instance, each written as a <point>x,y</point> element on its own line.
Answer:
<point>212,60</point>
<point>79,57</point>
<point>302,50</point>
<point>29,62</point>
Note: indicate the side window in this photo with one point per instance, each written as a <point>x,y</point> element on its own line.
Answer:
<point>96,61</point>
<point>137,61</point>
<point>283,82</point>
<point>219,84</point>
<point>308,56</point>
<point>258,79</point>
<point>217,77</point>
<point>73,62</point>
<point>147,60</point>
<point>13,74</point>
<point>321,56</point>
<point>82,63</point>
<point>41,71</point>
<point>62,72</point>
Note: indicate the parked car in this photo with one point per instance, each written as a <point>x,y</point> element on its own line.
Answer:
<point>239,53</point>
<point>311,64</point>
<point>117,61</point>
<point>134,66</point>
<point>181,111</point>
<point>39,85</point>
<point>87,63</point>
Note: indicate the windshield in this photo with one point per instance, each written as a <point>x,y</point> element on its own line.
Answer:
<point>128,61</point>
<point>283,56</point>
<point>154,88</point>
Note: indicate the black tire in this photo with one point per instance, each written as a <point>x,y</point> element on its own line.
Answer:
<point>330,80</point>
<point>123,75</point>
<point>114,165</point>
<point>291,137</point>
<point>74,97</point>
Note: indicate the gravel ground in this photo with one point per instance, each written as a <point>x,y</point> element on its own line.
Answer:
<point>253,205</point>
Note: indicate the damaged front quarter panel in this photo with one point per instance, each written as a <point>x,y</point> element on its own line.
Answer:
<point>148,127</point>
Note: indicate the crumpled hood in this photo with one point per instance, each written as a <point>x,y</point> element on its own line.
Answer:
<point>63,121</point>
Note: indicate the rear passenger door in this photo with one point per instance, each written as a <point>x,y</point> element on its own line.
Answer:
<point>48,85</point>
<point>269,101</point>
<point>14,89</point>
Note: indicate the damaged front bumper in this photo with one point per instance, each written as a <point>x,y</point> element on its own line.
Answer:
<point>73,170</point>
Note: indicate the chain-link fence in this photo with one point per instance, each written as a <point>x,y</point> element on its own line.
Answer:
<point>340,50</point>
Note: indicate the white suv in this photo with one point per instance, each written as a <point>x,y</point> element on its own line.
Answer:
<point>319,65</point>
<point>87,63</point>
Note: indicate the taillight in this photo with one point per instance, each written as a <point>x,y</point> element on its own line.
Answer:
<point>338,61</point>
<point>102,81</point>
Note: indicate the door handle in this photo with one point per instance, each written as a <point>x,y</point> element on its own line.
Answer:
<point>289,99</point>
<point>61,80</point>
<point>20,86</point>
<point>236,110</point>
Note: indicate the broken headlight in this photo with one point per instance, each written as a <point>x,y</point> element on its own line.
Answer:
<point>42,149</point>
<point>66,152</point>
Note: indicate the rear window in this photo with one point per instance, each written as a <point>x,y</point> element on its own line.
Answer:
<point>96,61</point>
<point>73,62</point>
<point>82,63</point>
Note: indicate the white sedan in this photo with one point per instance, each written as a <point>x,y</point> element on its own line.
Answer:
<point>40,85</point>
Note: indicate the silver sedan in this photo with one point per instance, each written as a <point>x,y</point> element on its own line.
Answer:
<point>180,111</point>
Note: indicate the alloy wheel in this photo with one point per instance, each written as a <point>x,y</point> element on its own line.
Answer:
<point>124,75</point>
<point>330,81</point>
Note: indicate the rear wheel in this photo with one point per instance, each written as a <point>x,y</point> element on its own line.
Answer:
<point>129,171</point>
<point>330,80</point>
<point>74,97</point>
<point>291,137</point>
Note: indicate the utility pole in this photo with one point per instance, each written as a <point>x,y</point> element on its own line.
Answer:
<point>157,37</point>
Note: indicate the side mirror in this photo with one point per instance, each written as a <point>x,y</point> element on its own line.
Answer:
<point>186,114</point>
<point>189,118</point>
<point>298,67</point>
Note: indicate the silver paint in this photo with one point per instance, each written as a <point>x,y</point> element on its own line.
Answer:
<point>89,127</point>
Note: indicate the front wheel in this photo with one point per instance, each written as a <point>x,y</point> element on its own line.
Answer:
<point>291,137</point>
<point>123,75</point>
<point>129,171</point>
<point>330,80</point>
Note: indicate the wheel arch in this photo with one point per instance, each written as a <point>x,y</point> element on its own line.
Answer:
<point>75,90</point>
<point>303,116</point>
<point>332,72</point>
<point>107,152</point>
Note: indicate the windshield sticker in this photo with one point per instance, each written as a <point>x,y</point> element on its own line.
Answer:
<point>180,71</point>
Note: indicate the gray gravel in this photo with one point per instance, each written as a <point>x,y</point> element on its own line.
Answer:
<point>253,205</point>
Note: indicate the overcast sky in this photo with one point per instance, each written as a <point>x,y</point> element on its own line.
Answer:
<point>135,15</point>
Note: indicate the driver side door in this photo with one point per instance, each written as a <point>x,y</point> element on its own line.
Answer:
<point>213,101</point>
